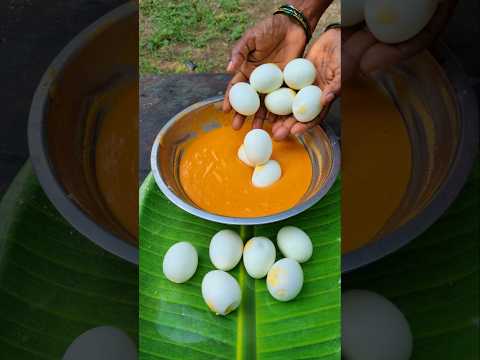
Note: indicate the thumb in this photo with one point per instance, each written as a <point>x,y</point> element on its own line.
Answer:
<point>240,52</point>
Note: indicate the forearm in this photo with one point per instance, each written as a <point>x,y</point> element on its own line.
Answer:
<point>312,9</point>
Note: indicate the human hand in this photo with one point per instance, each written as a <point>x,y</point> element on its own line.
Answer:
<point>362,52</point>
<point>277,39</point>
<point>325,54</point>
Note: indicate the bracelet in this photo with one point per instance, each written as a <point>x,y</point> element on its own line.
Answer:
<point>296,14</point>
<point>333,26</point>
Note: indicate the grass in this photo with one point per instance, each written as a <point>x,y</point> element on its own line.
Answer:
<point>174,35</point>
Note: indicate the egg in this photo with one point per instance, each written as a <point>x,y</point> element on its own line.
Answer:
<point>352,12</point>
<point>258,256</point>
<point>180,262</point>
<point>393,21</point>
<point>373,328</point>
<point>225,249</point>
<point>100,343</point>
<point>242,156</point>
<point>257,146</point>
<point>244,99</point>
<point>285,279</point>
<point>279,102</point>
<point>221,292</point>
<point>267,174</point>
<point>266,78</point>
<point>306,105</point>
<point>294,244</point>
<point>299,73</point>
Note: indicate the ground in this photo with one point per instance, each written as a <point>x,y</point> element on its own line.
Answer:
<point>176,35</point>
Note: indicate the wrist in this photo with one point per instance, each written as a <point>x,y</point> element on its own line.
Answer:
<point>312,9</point>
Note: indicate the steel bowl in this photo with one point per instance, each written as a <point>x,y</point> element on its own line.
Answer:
<point>321,143</point>
<point>62,137</point>
<point>440,112</point>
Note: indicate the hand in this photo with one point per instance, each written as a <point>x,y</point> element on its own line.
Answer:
<point>362,52</point>
<point>325,54</point>
<point>277,39</point>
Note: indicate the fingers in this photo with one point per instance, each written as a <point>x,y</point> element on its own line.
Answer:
<point>238,121</point>
<point>282,131</point>
<point>238,77</point>
<point>240,51</point>
<point>259,117</point>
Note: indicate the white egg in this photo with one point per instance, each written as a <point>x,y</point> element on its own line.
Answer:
<point>352,12</point>
<point>102,343</point>
<point>266,174</point>
<point>294,244</point>
<point>180,262</point>
<point>225,249</point>
<point>285,279</point>
<point>266,78</point>
<point>373,328</point>
<point>257,146</point>
<point>242,156</point>
<point>306,105</point>
<point>221,292</point>
<point>244,99</point>
<point>299,73</point>
<point>393,21</point>
<point>258,256</point>
<point>279,102</point>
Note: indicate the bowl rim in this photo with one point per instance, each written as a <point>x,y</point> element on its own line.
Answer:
<point>229,220</point>
<point>456,178</point>
<point>38,144</point>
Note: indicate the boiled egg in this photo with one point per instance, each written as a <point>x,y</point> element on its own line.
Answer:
<point>266,78</point>
<point>242,156</point>
<point>258,256</point>
<point>299,73</point>
<point>257,146</point>
<point>225,249</point>
<point>180,262</point>
<point>306,105</point>
<point>221,292</point>
<point>279,102</point>
<point>393,21</point>
<point>294,244</point>
<point>373,328</point>
<point>285,279</point>
<point>352,12</point>
<point>244,99</point>
<point>266,174</point>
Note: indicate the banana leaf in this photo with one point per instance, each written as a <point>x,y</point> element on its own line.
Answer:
<point>435,281</point>
<point>55,284</point>
<point>175,323</point>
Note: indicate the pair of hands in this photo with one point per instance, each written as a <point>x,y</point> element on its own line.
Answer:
<point>279,40</point>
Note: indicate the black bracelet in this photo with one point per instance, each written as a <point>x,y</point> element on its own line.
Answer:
<point>293,12</point>
<point>333,26</point>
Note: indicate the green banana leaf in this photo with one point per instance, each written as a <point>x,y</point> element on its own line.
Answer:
<point>55,284</point>
<point>435,281</point>
<point>175,323</point>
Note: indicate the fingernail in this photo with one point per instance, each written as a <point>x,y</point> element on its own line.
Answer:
<point>229,66</point>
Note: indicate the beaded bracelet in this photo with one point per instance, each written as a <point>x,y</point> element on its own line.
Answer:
<point>296,14</point>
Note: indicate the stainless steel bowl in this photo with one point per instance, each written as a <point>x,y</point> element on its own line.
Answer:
<point>441,116</point>
<point>62,137</point>
<point>321,144</point>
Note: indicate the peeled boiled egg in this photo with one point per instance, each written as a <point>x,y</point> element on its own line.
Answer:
<point>285,279</point>
<point>221,292</point>
<point>299,73</point>
<point>225,249</point>
<point>244,99</point>
<point>266,78</point>
<point>180,262</point>
<point>266,174</point>
<point>393,21</point>
<point>352,12</point>
<point>373,328</point>
<point>294,244</point>
<point>279,102</point>
<point>257,146</point>
<point>258,256</point>
<point>242,156</point>
<point>306,105</point>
